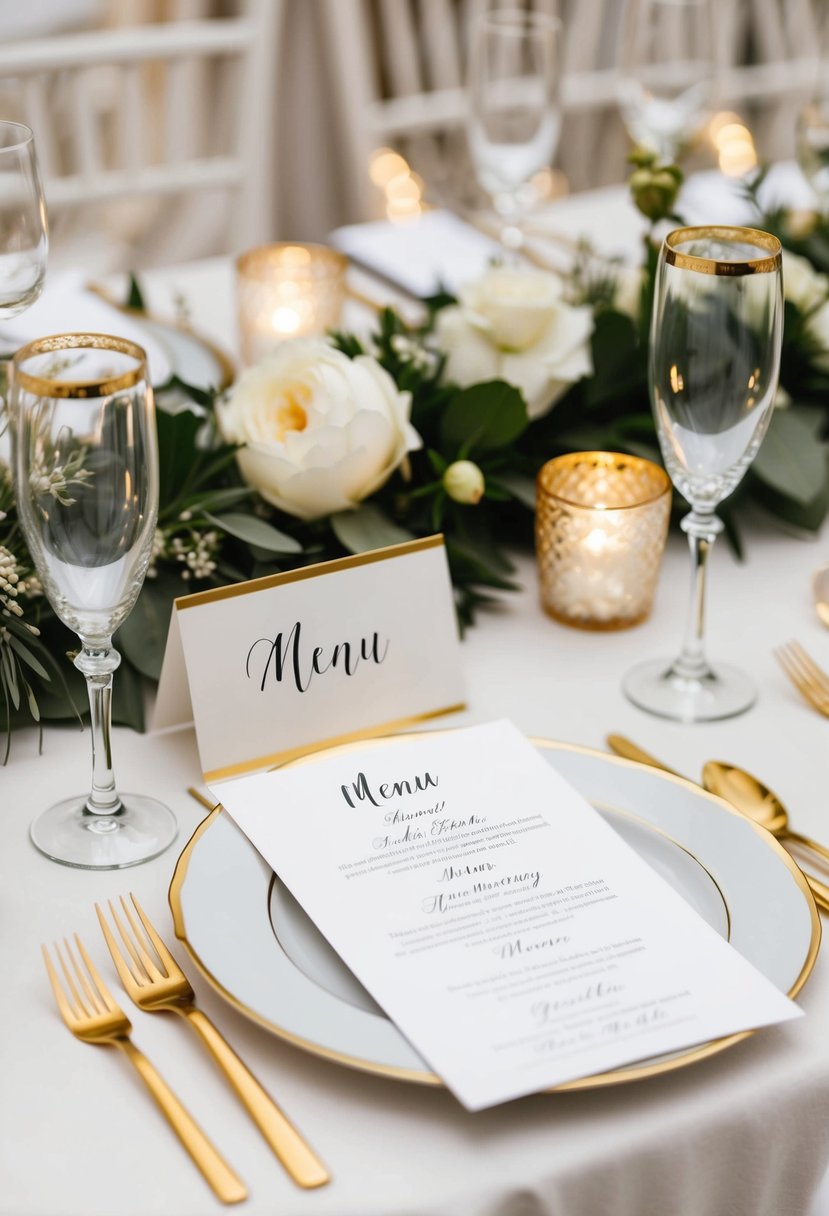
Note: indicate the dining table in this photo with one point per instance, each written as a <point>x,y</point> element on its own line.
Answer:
<point>742,1133</point>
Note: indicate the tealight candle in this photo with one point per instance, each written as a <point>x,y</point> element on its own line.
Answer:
<point>287,291</point>
<point>600,527</point>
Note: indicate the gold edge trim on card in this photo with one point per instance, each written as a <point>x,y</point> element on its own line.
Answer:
<point>319,569</point>
<point>616,1076</point>
<point>276,759</point>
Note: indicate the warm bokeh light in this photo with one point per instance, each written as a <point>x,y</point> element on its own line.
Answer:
<point>384,165</point>
<point>402,188</point>
<point>734,144</point>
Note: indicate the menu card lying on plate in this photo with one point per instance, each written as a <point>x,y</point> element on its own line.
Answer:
<point>506,929</point>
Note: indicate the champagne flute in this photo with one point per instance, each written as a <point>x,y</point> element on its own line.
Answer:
<point>713,367</point>
<point>86,472</point>
<point>666,72</point>
<point>24,240</point>
<point>514,114</point>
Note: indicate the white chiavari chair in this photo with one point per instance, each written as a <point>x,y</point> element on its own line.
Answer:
<point>157,137</point>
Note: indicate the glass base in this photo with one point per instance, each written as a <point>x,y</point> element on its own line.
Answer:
<point>72,835</point>
<point>658,689</point>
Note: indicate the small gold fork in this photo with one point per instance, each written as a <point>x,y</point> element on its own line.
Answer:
<point>87,1008</point>
<point>154,980</point>
<point>809,679</point>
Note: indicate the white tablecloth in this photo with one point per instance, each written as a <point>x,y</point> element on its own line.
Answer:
<point>743,1134</point>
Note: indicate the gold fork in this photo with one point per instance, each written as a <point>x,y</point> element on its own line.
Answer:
<point>809,679</point>
<point>154,980</point>
<point>87,1008</point>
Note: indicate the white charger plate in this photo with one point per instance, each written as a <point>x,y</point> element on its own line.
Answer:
<point>258,949</point>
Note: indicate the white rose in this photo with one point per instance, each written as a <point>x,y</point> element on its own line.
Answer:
<point>321,432</point>
<point>513,325</point>
<point>802,284</point>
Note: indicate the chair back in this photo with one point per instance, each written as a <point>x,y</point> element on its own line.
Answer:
<point>139,118</point>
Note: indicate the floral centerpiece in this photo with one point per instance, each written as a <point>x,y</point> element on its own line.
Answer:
<point>338,445</point>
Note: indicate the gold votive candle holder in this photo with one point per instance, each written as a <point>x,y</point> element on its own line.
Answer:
<point>287,291</point>
<point>600,527</point>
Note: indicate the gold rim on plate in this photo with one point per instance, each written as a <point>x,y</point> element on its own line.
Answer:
<point>617,1076</point>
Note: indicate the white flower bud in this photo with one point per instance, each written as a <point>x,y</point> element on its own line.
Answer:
<point>464,482</point>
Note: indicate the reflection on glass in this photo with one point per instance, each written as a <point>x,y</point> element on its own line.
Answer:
<point>713,368</point>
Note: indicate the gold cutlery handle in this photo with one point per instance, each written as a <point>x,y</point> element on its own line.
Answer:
<point>298,1158</point>
<point>808,843</point>
<point>227,1186</point>
<point>630,751</point>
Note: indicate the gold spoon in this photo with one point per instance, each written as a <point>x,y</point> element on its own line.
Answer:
<point>748,795</point>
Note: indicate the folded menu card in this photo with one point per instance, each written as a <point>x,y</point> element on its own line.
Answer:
<point>511,935</point>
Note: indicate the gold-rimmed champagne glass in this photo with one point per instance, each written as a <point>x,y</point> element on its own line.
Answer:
<point>86,479</point>
<point>713,367</point>
<point>514,114</point>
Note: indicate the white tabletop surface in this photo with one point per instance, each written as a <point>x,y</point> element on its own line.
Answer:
<point>745,1133</point>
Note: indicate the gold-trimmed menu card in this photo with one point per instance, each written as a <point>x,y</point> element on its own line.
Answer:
<point>283,665</point>
<point>510,933</point>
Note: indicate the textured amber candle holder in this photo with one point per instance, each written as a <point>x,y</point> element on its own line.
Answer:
<point>287,291</point>
<point>600,527</point>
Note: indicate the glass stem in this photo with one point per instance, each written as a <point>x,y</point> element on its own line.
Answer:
<point>98,661</point>
<point>702,529</point>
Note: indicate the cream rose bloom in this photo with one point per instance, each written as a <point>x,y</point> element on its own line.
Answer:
<point>513,325</point>
<point>320,432</point>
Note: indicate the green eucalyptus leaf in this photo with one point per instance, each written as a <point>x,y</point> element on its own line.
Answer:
<point>483,418</point>
<point>790,461</point>
<point>367,528</point>
<point>25,655</point>
<point>217,500</point>
<point>255,531</point>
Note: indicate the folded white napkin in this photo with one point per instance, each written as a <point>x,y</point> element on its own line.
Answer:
<point>67,307</point>
<point>420,255</point>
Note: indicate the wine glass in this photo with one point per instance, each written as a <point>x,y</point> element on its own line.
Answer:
<point>86,472</point>
<point>666,72</point>
<point>514,114</point>
<point>24,240</point>
<point>713,367</point>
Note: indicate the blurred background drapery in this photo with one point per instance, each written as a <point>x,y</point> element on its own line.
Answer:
<point>170,129</point>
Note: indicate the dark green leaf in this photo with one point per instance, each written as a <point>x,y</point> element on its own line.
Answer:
<point>135,299</point>
<point>367,528</point>
<point>790,461</point>
<point>24,653</point>
<point>128,697</point>
<point>143,636</point>
<point>483,418</point>
<point>520,487</point>
<point>255,531</point>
